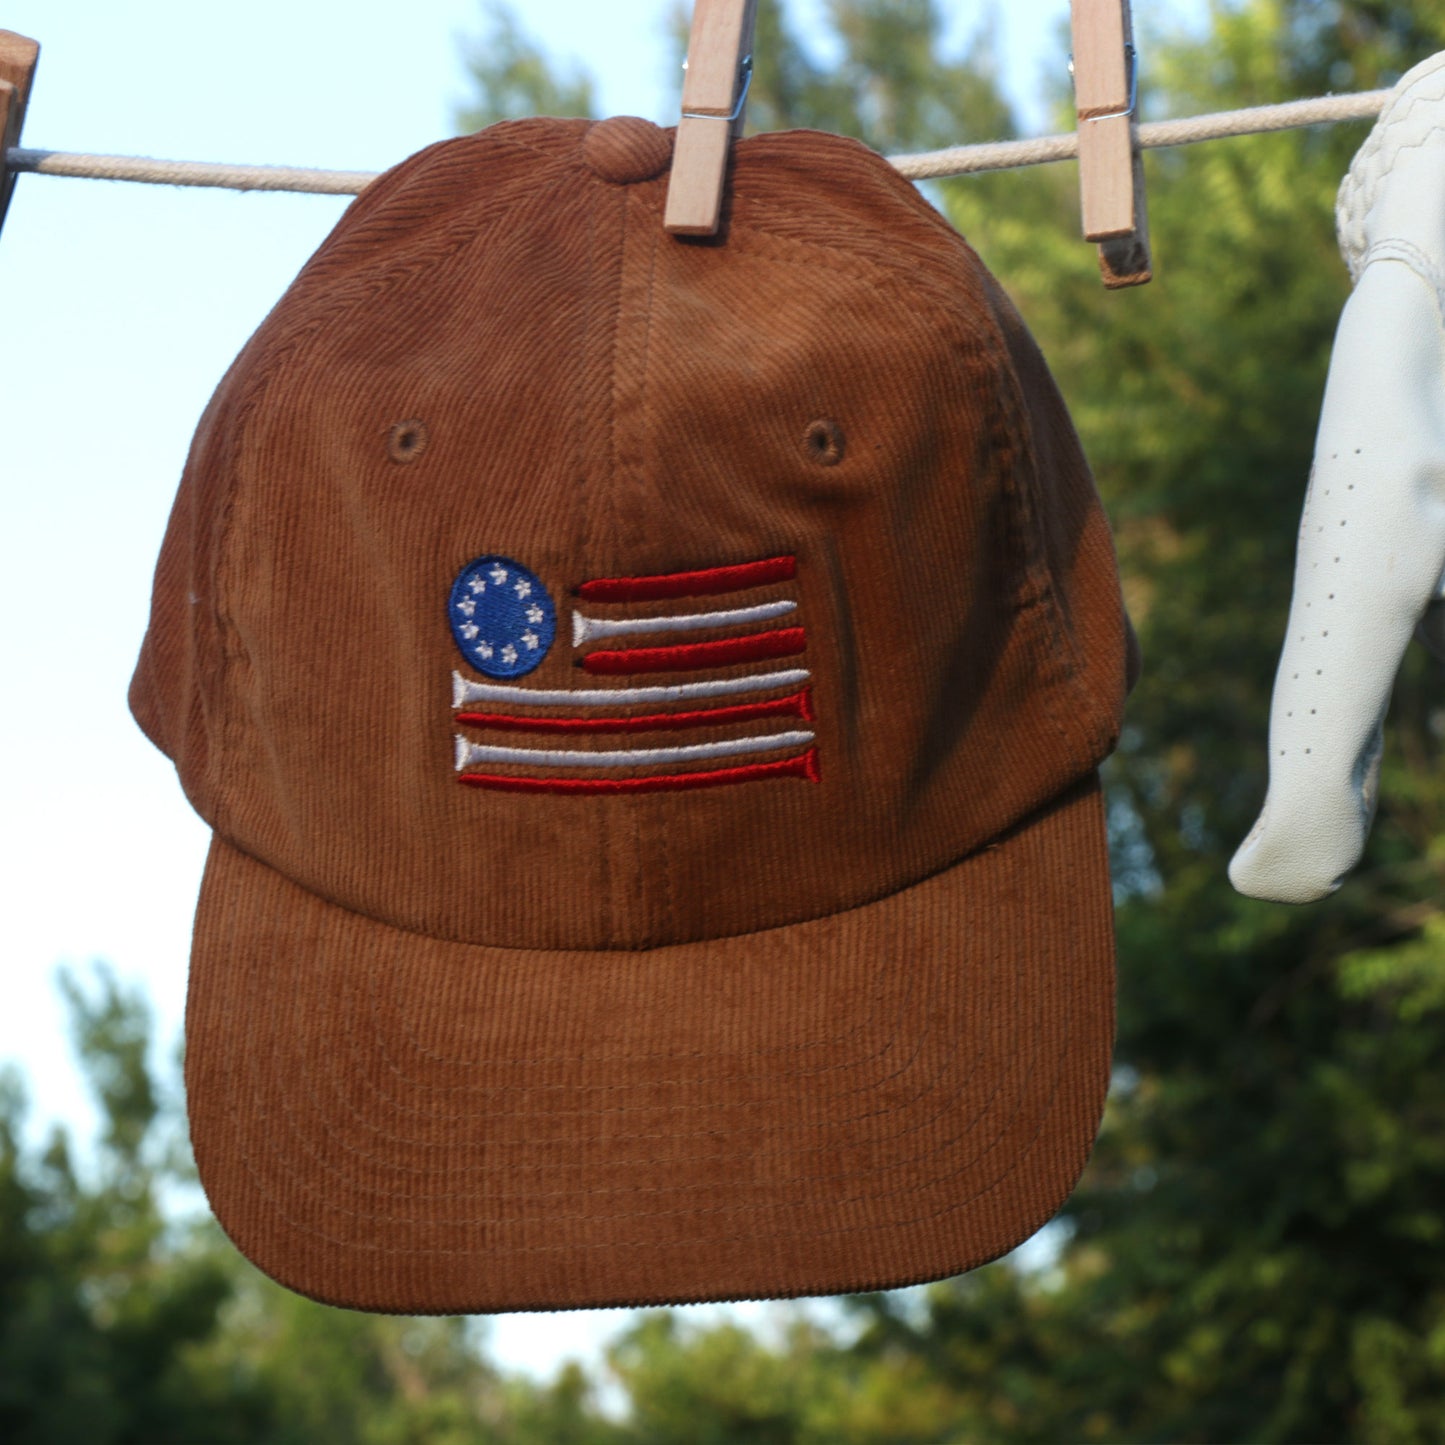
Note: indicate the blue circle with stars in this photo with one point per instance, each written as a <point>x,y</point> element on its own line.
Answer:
<point>501,616</point>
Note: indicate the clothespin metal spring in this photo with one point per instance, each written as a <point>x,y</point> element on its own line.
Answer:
<point>745,76</point>
<point>1131,60</point>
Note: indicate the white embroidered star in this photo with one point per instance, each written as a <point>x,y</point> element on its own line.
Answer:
<point>467,607</point>
<point>531,640</point>
<point>499,574</point>
<point>535,614</point>
<point>484,650</point>
<point>477,585</point>
<point>470,630</point>
<point>509,654</point>
<point>523,588</point>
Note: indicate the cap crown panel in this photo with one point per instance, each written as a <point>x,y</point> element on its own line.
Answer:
<point>601,401</point>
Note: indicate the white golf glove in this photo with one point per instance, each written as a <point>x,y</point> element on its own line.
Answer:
<point>1371,554</point>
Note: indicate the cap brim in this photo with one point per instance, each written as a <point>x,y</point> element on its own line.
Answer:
<point>884,1096</point>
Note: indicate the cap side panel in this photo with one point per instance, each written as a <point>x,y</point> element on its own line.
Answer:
<point>1076,568</point>
<point>180,691</point>
<point>180,674</point>
<point>934,702</point>
<point>1090,630</point>
<point>320,750</point>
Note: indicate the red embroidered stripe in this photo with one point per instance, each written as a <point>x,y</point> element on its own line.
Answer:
<point>707,583</point>
<point>786,642</point>
<point>805,766</point>
<point>799,705</point>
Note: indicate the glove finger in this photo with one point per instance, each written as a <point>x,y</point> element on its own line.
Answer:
<point>1370,554</point>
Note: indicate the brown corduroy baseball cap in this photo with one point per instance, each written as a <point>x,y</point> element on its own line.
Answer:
<point>647,695</point>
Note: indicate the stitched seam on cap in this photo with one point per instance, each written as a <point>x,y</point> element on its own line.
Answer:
<point>617,905</point>
<point>589,501</point>
<point>1036,597</point>
<point>1042,600</point>
<point>1057,799</point>
<point>232,649</point>
<point>660,807</point>
<point>1088,724</point>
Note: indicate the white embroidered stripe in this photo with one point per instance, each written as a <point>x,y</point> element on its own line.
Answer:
<point>469,752</point>
<point>584,629</point>
<point>465,691</point>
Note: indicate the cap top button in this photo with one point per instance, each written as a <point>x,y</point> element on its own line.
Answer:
<point>626,149</point>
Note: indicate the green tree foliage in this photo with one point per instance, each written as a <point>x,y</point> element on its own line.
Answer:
<point>1256,1251</point>
<point>892,87</point>
<point>93,1311</point>
<point>513,78</point>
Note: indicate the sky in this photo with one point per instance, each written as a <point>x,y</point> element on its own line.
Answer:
<point>122,306</point>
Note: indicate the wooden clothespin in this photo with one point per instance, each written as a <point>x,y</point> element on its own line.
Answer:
<point>18,58</point>
<point>1111,173</point>
<point>714,97</point>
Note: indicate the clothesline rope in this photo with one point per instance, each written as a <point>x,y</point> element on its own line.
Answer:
<point>929,165</point>
<point>1257,120</point>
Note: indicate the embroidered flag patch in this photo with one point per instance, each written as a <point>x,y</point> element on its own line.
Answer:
<point>501,616</point>
<point>714,719</point>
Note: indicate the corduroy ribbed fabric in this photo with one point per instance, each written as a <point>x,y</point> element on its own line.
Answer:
<point>746,933</point>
